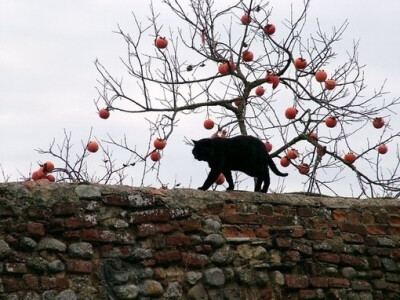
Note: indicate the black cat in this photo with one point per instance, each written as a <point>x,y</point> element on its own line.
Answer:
<point>241,153</point>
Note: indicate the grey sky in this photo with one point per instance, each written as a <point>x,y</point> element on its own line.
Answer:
<point>47,75</point>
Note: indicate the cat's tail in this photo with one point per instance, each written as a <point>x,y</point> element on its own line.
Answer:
<point>273,167</point>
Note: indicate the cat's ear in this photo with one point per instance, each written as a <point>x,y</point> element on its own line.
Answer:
<point>194,142</point>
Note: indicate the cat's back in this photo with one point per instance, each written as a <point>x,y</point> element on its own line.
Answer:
<point>237,144</point>
<point>247,141</point>
<point>243,145</point>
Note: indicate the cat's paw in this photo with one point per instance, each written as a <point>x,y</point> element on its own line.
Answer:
<point>201,188</point>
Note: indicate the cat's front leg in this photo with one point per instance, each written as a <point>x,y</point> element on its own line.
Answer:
<point>211,178</point>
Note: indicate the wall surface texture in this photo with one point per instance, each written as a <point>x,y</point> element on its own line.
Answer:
<point>83,241</point>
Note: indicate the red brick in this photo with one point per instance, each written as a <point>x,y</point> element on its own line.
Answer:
<point>353,260</point>
<point>151,215</point>
<point>61,283</point>
<point>279,220</point>
<point>374,274</point>
<point>194,260</point>
<point>293,256</point>
<point>115,200</point>
<point>296,281</point>
<point>46,283</point>
<point>72,234</point>
<point>319,282</point>
<point>266,210</point>
<point>327,257</point>
<point>177,240</point>
<point>56,225</point>
<point>166,227</point>
<point>352,238</point>
<point>283,242</point>
<point>56,283</point>
<point>79,266</point>
<point>11,284</point>
<point>298,232</point>
<point>394,231</point>
<point>267,293</point>
<point>35,229</point>
<point>31,282</point>
<point>114,251</point>
<point>158,241</point>
<point>394,220</point>
<point>146,229</point>
<point>283,210</point>
<point>353,228</point>
<point>307,294</point>
<point>367,218</point>
<point>319,223</point>
<point>338,282</point>
<point>20,257</point>
<point>281,231</point>
<point>382,285</point>
<point>339,215</point>
<point>167,256</point>
<point>234,231</point>
<point>353,217</point>
<point>396,253</point>
<point>305,212</point>
<point>16,268</point>
<point>149,263</point>
<point>96,235</point>
<point>215,208</point>
<point>302,248</point>
<point>240,218</point>
<point>15,227</point>
<point>330,233</point>
<point>203,248</point>
<point>262,232</point>
<point>76,223</point>
<point>229,208</point>
<point>64,209</point>
<point>316,234</point>
<point>11,240</point>
<point>376,229</point>
<point>190,225</point>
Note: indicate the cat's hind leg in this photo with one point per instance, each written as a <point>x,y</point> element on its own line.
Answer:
<point>258,183</point>
<point>228,177</point>
<point>266,180</point>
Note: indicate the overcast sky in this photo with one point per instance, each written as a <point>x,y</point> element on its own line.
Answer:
<point>48,78</point>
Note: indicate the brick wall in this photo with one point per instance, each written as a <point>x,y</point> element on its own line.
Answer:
<point>67,241</point>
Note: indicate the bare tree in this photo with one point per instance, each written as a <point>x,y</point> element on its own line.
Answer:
<point>213,63</point>
<point>72,166</point>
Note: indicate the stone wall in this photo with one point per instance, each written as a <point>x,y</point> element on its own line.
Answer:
<point>70,241</point>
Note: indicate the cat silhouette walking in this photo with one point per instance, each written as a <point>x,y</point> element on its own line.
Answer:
<point>240,153</point>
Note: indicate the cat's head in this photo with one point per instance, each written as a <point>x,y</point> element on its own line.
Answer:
<point>202,149</point>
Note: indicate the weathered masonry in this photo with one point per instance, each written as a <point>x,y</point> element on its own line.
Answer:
<point>70,241</point>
